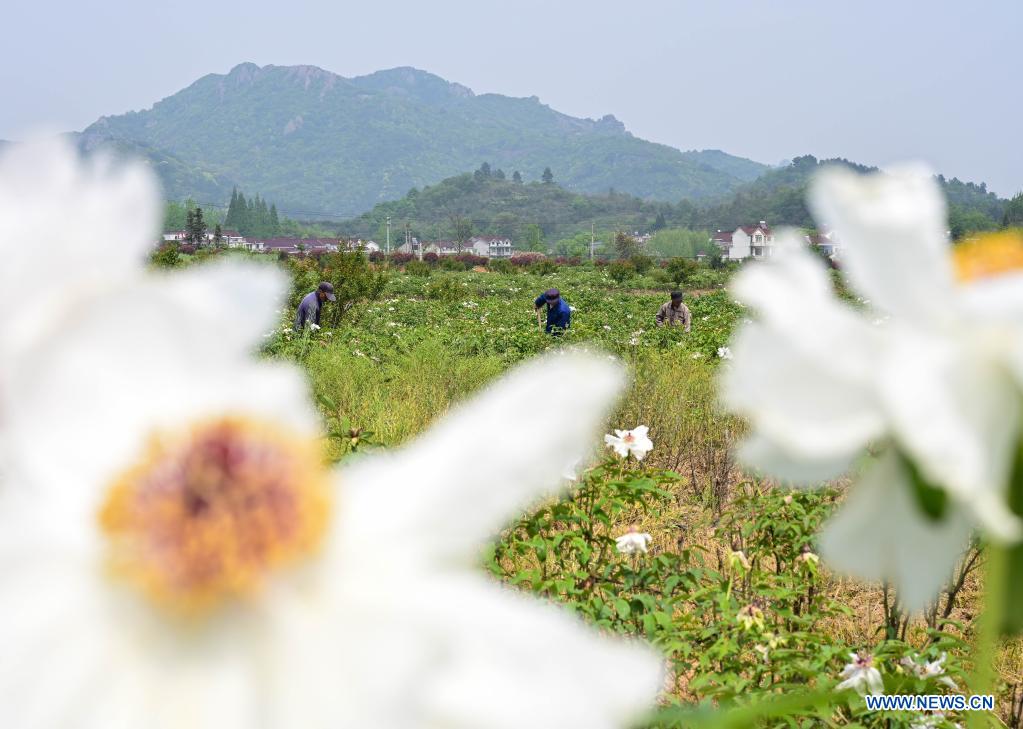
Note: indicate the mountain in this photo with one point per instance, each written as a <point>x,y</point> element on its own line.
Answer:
<point>320,143</point>
<point>495,205</point>
<point>779,196</point>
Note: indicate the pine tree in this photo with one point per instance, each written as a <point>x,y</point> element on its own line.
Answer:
<point>231,220</point>
<point>241,216</point>
<point>218,235</point>
<point>189,225</point>
<point>516,177</point>
<point>275,221</point>
<point>548,176</point>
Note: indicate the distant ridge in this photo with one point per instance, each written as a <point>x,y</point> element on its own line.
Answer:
<point>317,141</point>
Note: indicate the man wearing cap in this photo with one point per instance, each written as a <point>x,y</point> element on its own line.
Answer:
<point>309,309</point>
<point>559,314</point>
<point>674,312</point>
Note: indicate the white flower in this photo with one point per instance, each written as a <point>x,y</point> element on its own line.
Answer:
<point>635,442</point>
<point>314,326</point>
<point>861,676</point>
<point>632,542</point>
<point>607,327</point>
<point>930,669</point>
<point>329,637</point>
<point>696,355</point>
<point>724,353</point>
<point>175,553</point>
<point>48,195</point>
<point>737,560</point>
<point>939,383</point>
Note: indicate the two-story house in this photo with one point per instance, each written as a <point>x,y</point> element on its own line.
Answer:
<point>491,246</point>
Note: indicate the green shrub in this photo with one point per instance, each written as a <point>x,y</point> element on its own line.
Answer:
<point>621,270</point>
<point>641,263</point>
<point>417,268</point>
<point>543,268</point>
<point>501,265</point>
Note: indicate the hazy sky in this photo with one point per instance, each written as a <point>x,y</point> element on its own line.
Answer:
<point>875,82</point>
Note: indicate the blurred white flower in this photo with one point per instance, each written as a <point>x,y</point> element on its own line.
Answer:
<point>314,326</point>
<point>724,353</point>
<point>173,555</point>
<point>750,617</point>
<point>930,669</point>
<point>632,542</point>
<point>861,676</point>
<point>180,591</point>
<point>696,355</point>
<point>634,442</point>
<point>47,195</point>
<point>940,382</point>
<point>737,561</point>
<point>607,327</point>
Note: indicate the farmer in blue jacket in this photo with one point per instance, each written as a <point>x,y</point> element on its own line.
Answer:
<point>559,313</point>
<point>309,310</point>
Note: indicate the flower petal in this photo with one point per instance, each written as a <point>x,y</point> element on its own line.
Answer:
<point>881,534</point>
<point>760,453</point>
<point>83,223</point>
<point>957,414</point>
<point>893,234</point>
<point>125,370</point>
<point>442,496</point>
<point>803,404</point>
<point>512,662</point>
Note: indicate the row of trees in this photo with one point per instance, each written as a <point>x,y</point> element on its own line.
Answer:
<point>252,217</point>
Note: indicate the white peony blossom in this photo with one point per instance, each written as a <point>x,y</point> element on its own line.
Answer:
<point>175,553</point>
<point>861,676</point>
<point>314,326</point>
<point>634,442</point>
<point>724,353</point>
<point>939,381</point>
<point>930,669</point>
<point>633,542</point>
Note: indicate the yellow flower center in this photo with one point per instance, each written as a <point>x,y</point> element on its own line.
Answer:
<point>205,515</point>
<point>989,255</point>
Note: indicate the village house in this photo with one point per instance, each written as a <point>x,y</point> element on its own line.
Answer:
<point>231,238</point>
<point>825,241</point>
<point>746,241</point>
<point>491,246</point>
<point>291,246</point>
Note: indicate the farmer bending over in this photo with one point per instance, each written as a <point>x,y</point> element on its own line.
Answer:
<point>559,314</point>
<point>674,312</point>
<point>309,309</point>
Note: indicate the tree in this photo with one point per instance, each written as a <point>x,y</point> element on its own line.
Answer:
<point>461,231</point>
<point>195,226</point>
<point>548,176</point>
<point>516,177</point>
<point>275,221</point>
<point>679,270</point>
<point>218,235</point>
<point>1013,211</point>
<point>533,236</point>
<point>625,245</point>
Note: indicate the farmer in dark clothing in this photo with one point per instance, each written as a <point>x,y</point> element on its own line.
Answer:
<point>674,313</point>
<point>559,314</point>
<point>309,309</point>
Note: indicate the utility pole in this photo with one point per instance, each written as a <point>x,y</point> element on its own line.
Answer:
<point>388,234</point>
<point>592,241</point>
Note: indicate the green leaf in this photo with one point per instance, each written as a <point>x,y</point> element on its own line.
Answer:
<point>932,500</point>
<point>1013,589</point>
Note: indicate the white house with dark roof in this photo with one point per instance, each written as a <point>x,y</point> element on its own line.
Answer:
<point>491,246</point>
<point>746,241</point>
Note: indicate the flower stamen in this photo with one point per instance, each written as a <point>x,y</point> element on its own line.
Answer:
<point>987,256</point>
<point>206,515</point>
